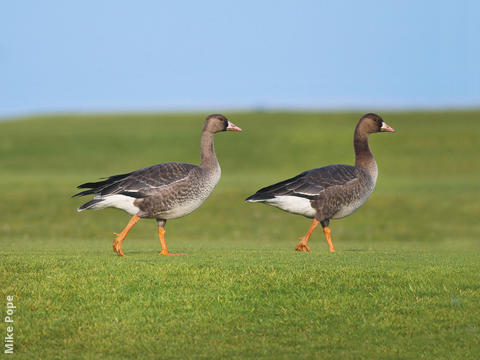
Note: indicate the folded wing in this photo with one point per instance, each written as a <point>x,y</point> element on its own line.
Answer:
<point>140,183</point>
<point>309,184</point>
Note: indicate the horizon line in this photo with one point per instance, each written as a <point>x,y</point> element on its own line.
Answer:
<point>459,106</point>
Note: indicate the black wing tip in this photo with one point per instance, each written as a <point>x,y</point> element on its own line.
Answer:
<point>83,193</point>
<point>259,197</point>
<point>103,181</point>
<point>98,186</point>
<point>89,204</point>
<point>280,184</point>
<point>85,185</point>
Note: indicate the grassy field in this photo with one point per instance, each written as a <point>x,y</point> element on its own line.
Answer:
<point>405,283</point>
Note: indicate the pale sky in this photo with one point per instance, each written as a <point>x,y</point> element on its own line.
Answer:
<point>63,56</point>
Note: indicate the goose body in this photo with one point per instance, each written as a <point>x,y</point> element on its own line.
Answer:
<point>329,192</point>
<point>333,191</point>
<point>164,191</point>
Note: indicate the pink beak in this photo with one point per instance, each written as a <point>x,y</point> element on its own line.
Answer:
<point>387,128</point>
<point>233,127</point>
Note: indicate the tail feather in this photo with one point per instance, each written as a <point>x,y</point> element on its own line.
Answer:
<point>89,204</point>
<point>97,187</point>
<point>259,197</point>
<point>280,188</point>
<point>98,184</point>
<point>86,192</point>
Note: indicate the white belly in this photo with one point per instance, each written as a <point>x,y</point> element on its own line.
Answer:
<point>293,204</point>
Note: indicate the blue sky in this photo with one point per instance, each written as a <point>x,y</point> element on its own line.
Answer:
<point>211,55</point>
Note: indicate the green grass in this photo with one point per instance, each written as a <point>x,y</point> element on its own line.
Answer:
<point>404,284</point>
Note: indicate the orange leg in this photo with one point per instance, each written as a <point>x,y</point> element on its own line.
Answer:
<point>117,243</point>
<point>328,237</point>
<point>161,235</point>
<point>303,244</point>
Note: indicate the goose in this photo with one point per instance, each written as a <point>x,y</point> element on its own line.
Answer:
<point>162,192</point>
<point>329,192</point>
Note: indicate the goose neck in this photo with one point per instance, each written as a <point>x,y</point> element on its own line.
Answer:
<point>363,156</point>
<point>207,151</point>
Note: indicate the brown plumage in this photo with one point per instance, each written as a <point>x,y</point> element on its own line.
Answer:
<point>330,192</point>
<point>163,191</point>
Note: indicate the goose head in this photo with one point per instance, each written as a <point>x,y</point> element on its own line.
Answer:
<point>217,122</point>
<point>372,123</point>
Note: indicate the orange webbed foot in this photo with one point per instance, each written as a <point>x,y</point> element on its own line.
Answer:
<point>302,246</point>
<point>166,252</point>
<point>117,244</point>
